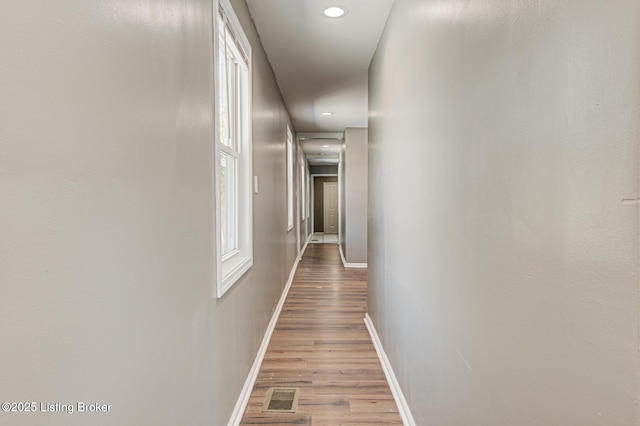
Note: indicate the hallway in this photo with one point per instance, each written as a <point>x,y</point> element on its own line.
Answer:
<point>320,345</point>
<point>322,238</point>
<point>161,166</point>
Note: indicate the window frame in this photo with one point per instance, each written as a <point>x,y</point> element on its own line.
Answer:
<point>289,154</point>
<point>303,195</point>
<point>231,266</point>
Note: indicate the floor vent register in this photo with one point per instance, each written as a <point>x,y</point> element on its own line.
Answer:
<point>281,400</point>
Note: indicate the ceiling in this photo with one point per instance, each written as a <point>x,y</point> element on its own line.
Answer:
<point>321,63</point>
<point>321,151</point>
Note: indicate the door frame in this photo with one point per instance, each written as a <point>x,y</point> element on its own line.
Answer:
<point>312,200</point>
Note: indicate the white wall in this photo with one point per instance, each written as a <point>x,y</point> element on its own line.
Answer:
<point>503,262</point>
<point>106,249</point>
<point>354,187</point>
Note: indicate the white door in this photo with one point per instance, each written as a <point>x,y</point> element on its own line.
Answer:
<point>330,202</point>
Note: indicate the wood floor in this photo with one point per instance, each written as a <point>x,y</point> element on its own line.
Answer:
<point>320,345</point>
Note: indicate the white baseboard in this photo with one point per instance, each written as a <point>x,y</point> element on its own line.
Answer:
<point>401,402</point>
<point>245,393</point>
<point>306,243</point>
<point>347,264</point>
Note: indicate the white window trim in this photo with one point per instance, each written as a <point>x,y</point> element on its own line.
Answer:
<point>231,267</point>
<point>303,190</point>
<point>289,154</point>
<point>308,194</point>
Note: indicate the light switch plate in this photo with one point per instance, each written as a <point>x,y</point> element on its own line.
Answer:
<point>255,184</point>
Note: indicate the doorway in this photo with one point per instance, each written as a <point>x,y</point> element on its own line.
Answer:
<point>324,209</point>
<point>330,207</point>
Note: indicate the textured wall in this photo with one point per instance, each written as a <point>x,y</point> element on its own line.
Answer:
<point>503,269</point>
<point>106,250</point>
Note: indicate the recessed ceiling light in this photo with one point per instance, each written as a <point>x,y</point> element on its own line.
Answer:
<point>327,113</point>
<point>335,12</point>
<point>325,146</point>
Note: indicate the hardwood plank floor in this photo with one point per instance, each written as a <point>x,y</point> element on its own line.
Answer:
<point>321,345</point>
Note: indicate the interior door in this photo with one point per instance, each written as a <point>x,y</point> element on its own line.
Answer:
<point>330,202</point>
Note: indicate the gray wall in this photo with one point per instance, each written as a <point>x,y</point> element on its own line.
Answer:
<point>341,170</point>
<point>503,261</point>
<point>106,249</point>
<point>304,228</point>
<point>354,187</point>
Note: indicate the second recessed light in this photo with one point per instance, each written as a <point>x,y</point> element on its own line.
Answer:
<point>335,12</point>
<point>327,113</point>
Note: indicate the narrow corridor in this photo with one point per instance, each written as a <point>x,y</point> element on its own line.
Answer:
<point>320,345</point>
<point>322,238</point>
<point>163,162</point>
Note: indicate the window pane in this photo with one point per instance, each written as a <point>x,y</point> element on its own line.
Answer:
<point>235,101</point>
<point>228,203</point>
<point>224,118</point>
<point>232,70</point>
<point>289,179</point>
<point>232,99</point>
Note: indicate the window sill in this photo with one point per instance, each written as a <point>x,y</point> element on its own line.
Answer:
<point>233,269</point>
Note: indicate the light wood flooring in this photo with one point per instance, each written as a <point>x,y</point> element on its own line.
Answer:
<point>320,344</point>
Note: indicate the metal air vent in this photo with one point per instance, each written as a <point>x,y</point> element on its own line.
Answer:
<point>281,400</point>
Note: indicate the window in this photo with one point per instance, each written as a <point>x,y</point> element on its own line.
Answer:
<point>234,230</point>
<point>303,208</point>
<point>289,180</point>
